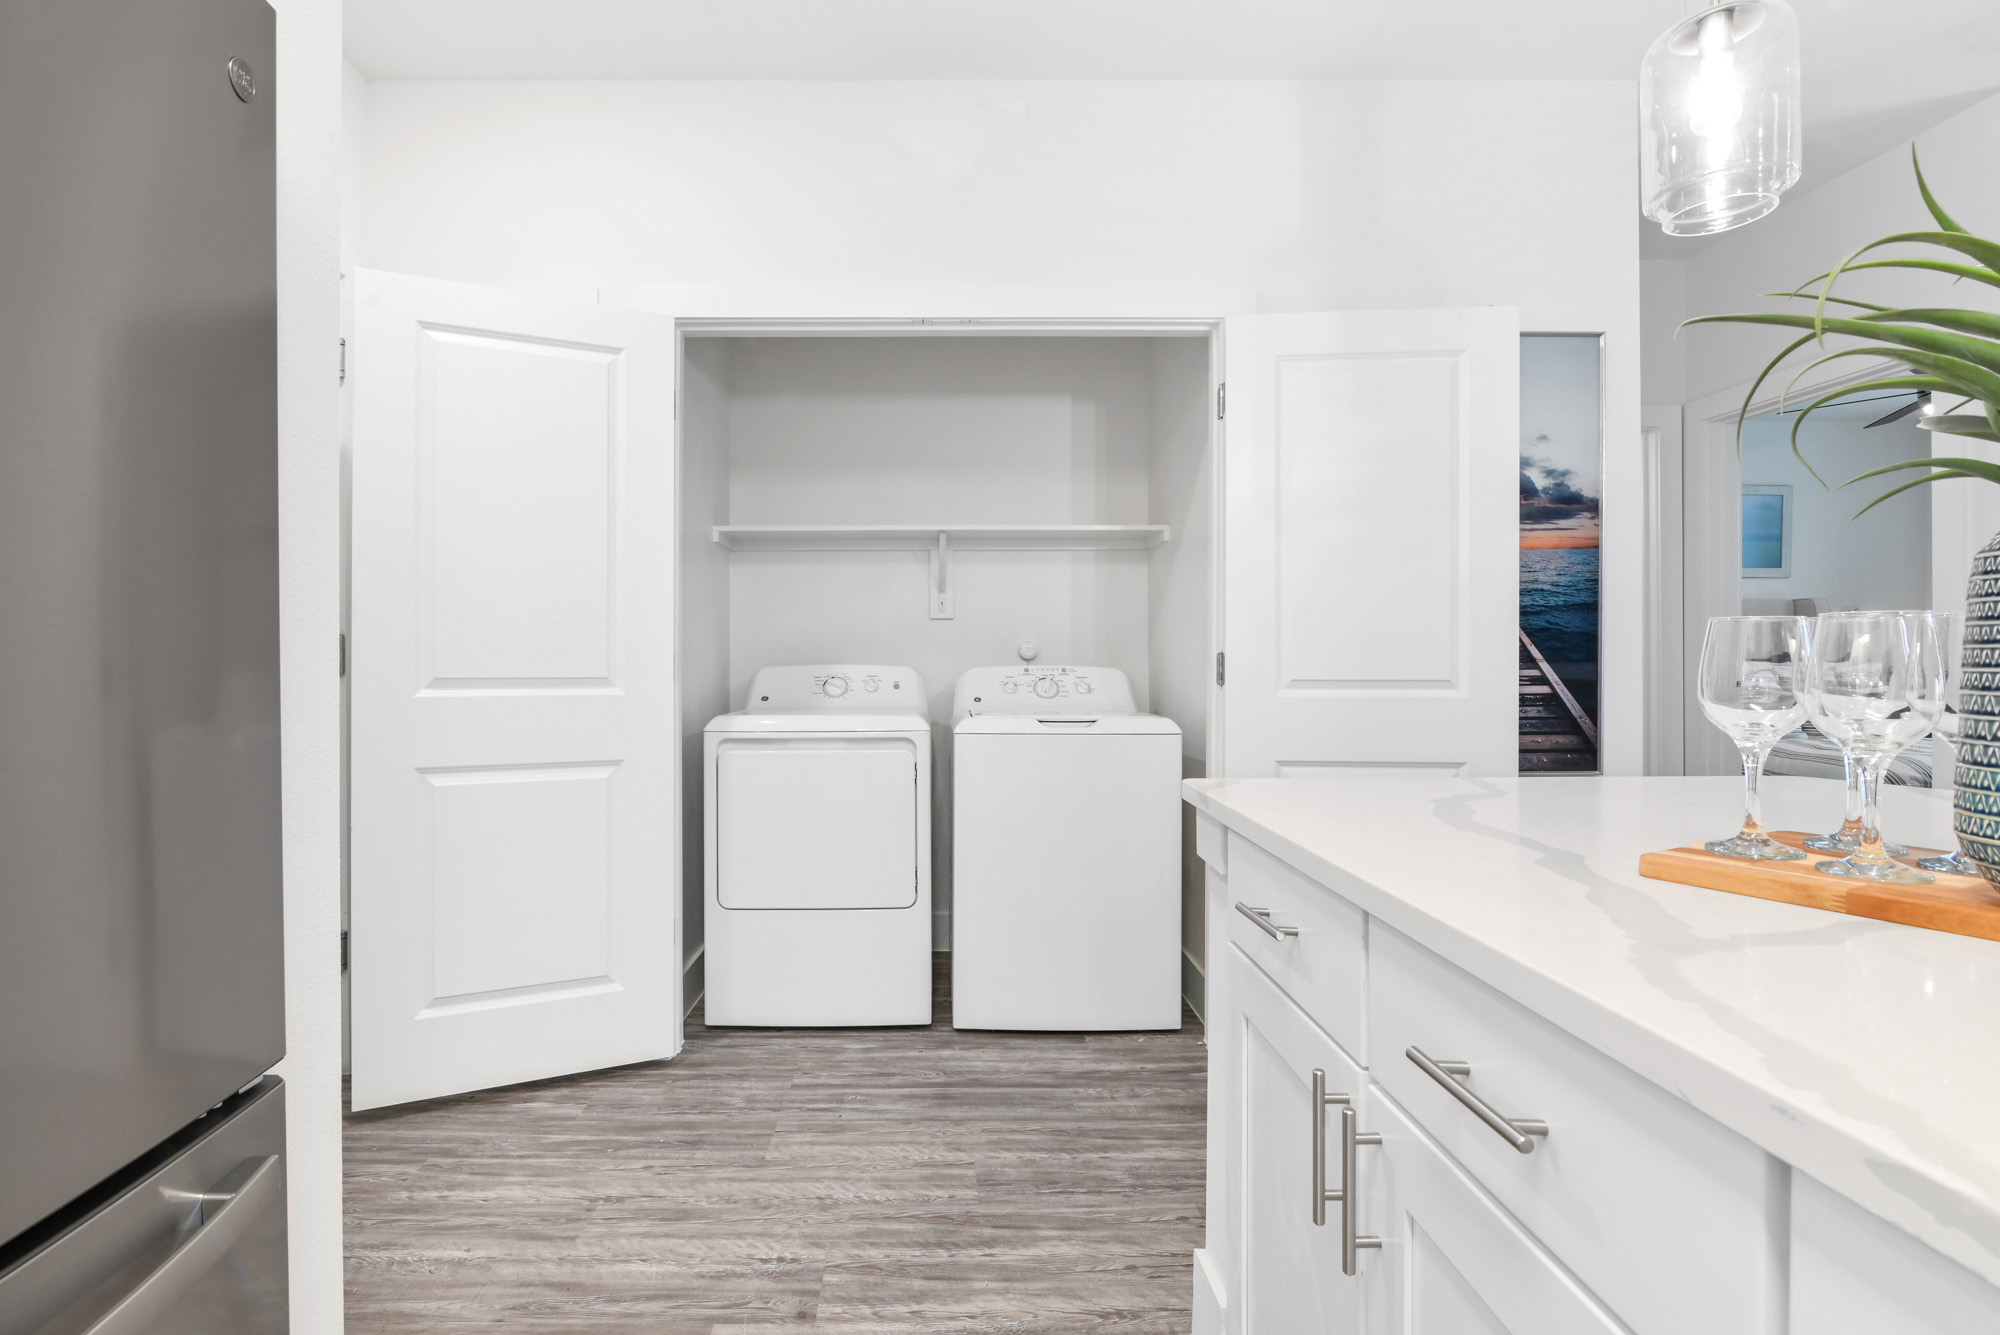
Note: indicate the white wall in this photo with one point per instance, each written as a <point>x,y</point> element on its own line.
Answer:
<point>1315,195</point>
<point>1811,232</point>
<point>1881,559</point>
<point>1302,195</point>
<point>946,430</point>
<point>308,88</point>
<point>1663,348</point>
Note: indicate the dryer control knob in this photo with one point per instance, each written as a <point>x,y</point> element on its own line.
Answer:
<point>1046,687</point>
<point>834,687</point>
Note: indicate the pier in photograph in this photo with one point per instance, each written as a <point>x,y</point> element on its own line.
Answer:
<point>1557,736</point>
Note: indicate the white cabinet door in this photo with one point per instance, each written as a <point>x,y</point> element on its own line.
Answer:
<point>1371,566</point>
<point>1453,1262</point>
<point>1288,1266</point>
<point>514,750</point>
<point>1854,1273</point>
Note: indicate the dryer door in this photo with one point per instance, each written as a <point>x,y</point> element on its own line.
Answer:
<point>820,824</point>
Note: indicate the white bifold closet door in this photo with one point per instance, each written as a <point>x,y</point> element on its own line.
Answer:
<point>1371,583</point>
<point>514,748</point>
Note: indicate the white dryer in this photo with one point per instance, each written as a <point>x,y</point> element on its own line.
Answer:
<point>818,850</point>
<point>1066,853</point>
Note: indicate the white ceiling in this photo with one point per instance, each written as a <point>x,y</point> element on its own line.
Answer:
<point>1876,71</point>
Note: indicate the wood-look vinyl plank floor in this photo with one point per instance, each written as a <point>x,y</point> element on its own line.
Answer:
<point>877,1181</point>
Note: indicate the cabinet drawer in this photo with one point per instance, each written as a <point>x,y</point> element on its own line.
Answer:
<point>1669,1217</point>
<point>1455,1263</point>
<point>1316,947</point>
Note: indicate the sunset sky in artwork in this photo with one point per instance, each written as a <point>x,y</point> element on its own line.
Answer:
<point>1559,438</point>
<point>1581,536</point>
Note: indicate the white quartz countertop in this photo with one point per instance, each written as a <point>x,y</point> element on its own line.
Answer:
<point>1865,1054</point>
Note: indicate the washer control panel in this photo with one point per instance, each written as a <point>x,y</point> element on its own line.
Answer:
<point>861,687</point>
<point>1031,688</point>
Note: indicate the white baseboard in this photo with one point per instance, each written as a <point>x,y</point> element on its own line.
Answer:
<point>1210,1300</point>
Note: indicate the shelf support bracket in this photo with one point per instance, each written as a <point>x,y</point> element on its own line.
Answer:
<point>941,581</point>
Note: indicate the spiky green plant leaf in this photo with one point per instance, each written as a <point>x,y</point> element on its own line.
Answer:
<point>1950,351</point>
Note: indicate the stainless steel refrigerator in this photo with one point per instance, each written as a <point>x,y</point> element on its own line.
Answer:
<point>141,974</point>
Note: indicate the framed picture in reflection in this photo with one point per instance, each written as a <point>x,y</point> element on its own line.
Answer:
<point>1767,532</point>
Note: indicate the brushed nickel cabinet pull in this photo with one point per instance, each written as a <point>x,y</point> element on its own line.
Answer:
<point>1351,1139</point>
<point>1520,1132</point>
<point>1262,917</point>
<point>1321,1102</point>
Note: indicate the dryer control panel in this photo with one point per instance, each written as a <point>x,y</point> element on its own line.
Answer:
<point>863,688</point>
<point>1034,689</point>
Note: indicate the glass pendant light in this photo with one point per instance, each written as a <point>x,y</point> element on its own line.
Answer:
<point>1720,96</point>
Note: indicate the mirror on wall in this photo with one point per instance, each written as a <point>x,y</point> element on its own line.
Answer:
<point>1806,547</point>
<point>1561,473</point>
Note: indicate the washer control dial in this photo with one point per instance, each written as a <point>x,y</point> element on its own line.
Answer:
<point>834,687</point>
<point>1010,686</point>
<point>1083,686</point>
<point>1047,687</point>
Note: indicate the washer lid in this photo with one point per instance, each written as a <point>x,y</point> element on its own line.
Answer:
<point>1067,725</point>
<point>818,721</point>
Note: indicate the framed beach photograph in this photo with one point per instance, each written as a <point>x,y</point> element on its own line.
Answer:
<point>1562,446</point>
<point>1767,531</point>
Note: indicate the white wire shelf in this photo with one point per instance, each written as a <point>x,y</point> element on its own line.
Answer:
<point>925,537</point>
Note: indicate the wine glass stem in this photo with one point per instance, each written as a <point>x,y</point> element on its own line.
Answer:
<point>1753,805</point>
<point>1851,826</point>
<point>1873,770</point>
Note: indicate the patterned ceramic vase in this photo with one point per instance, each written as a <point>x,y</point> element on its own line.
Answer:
<point>1977,779</point>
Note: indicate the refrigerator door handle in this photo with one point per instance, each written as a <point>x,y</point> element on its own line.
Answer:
<point>228,1209</point>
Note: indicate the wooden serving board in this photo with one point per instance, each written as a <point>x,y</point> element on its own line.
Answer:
<point>1965,905</point>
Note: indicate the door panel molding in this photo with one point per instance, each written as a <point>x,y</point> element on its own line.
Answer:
<point>514,758</point>
<point>1372,573</point>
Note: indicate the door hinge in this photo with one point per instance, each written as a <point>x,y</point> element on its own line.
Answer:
<point>1218,670</point>
<point>343,361</point>
<point>343,950</point>
<point>1221,401</point>
<point>343,655</point>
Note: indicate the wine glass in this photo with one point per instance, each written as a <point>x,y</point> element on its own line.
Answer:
<point>1848,837</point>
<point>1752,672</point>
<point>1945,726</point>
<point>1874,685</point>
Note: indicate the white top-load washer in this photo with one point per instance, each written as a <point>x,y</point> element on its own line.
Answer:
<point>818,850</point>
<point>1066,853</point>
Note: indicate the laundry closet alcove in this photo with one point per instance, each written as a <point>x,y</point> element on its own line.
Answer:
<point>579,529</point>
